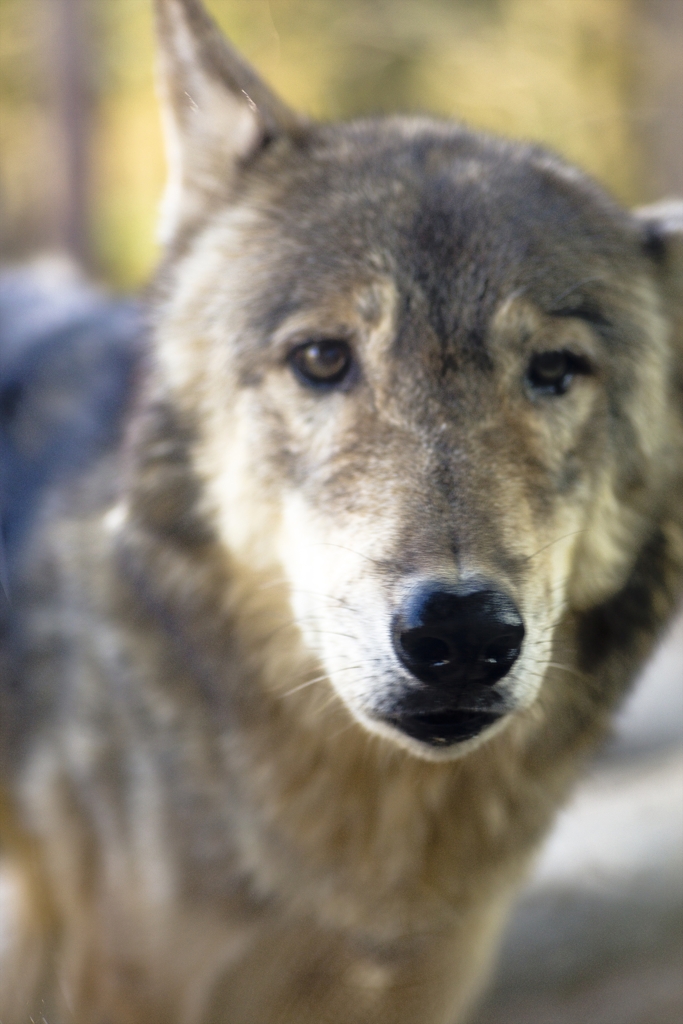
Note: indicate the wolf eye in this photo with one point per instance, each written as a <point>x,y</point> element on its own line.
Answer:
<point>551,373</point>
<point>322,363</point>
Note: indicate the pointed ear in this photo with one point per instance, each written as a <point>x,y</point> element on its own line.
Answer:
<point>661,227</point>
<point>216,111</point>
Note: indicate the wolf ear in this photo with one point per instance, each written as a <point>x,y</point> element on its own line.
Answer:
<point>217,112</point>
<point>661,227</point>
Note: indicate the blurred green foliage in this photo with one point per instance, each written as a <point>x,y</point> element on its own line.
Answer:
<point>561,72</point>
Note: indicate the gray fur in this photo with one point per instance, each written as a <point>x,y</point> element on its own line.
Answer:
<point>208,811</point>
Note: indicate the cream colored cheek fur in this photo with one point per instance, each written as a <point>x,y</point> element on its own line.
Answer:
<point>336,597</point>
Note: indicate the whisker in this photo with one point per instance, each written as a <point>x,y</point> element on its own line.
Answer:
<point>333,697</point>
<point>573,533</point>
<point>302,686</point>
<point>344,728</point>
<point>567,668</point>
<point>272,583</point>
<point>301,590</point>
<point>317,679</point>
<point>360,554</point>
<point>579,284</point>
<point>293,623</point>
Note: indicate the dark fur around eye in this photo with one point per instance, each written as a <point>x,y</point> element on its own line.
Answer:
<point>551,373</point>
<point>323,363</point>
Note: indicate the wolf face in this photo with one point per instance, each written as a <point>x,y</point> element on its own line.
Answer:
<point>432,386</point>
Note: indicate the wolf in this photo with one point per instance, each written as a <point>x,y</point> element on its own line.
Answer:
<point>302,656</point>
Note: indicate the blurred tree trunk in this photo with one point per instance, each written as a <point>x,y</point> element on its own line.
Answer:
<point>660,45</point>
<point>66,40</point>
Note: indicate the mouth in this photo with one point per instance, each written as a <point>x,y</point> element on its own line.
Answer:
<point>444,728</point>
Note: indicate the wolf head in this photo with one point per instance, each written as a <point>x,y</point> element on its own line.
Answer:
<point>433,380</point>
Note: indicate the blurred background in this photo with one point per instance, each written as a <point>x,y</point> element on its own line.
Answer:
<point>597,937</point>
<point>81,162</point>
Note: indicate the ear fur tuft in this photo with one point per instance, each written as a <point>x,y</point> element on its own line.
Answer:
<point>661,227</point>
<point>216,110</point>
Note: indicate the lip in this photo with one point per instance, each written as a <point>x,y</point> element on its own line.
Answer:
<point>444,728</point>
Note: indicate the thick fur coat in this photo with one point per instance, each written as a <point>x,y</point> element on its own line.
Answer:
<point>380,353</point>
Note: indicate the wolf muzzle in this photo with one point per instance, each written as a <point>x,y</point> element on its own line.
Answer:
<point>458,641</point>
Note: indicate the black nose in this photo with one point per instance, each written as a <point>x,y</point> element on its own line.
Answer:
<point>463,634</point>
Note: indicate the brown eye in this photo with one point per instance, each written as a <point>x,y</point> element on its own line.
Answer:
<point>322,363</point>
<point>551,373</point>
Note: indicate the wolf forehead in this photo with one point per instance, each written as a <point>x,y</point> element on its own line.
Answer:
<point>459,220</point>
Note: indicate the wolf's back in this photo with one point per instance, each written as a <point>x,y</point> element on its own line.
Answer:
<point>67,360</point>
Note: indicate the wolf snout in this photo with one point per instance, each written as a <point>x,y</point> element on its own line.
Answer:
<point>450,635</point>
<point>458,641</point>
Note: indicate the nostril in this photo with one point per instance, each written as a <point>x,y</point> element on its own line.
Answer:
<point>502,648</point>
<point>427,650</point>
